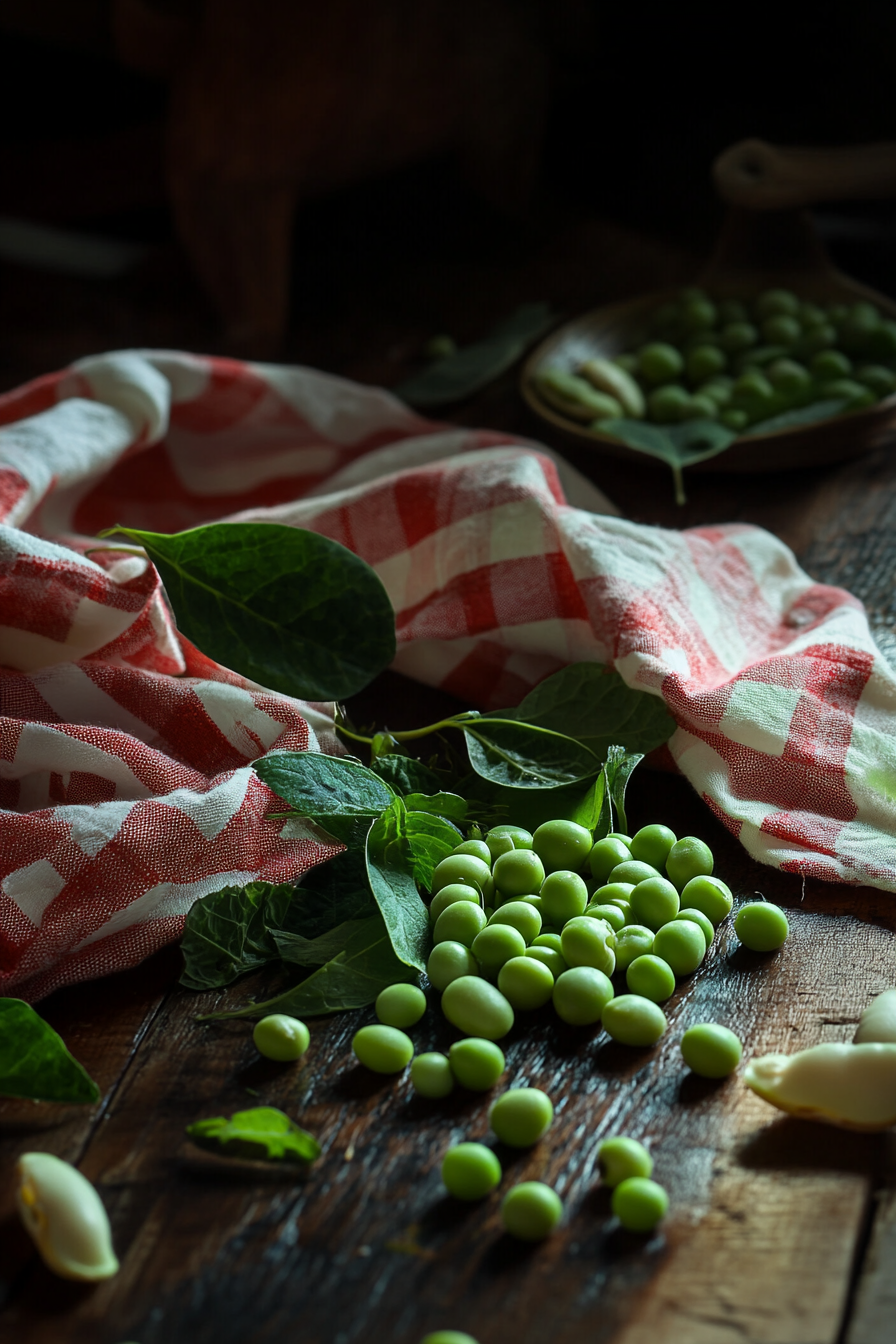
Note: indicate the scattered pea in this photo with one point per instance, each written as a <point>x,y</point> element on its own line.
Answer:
<point>519,873</point>
<point>470,1171</point>
<point>639,1203</point>
<point>448,962</point>
<point>281,1037</point>
<point>476,1007</point>
<point>761,927</point>
<point>589,942</point>
<point>633,1020</point>
<point>476,1063</point>
<point>400,1005</point>
<point>581,994</point>
<point>563,896</point>
<point>710,895</point>
<point>526,983</point>
<point>431,1075</point>
<point>710,1050</point>
<point>620,1158</point>
<point>688,857</point>
<point>383,1049</point>
<point>460,922</point>
<point>531,1211</point>
<point>521,1116</point>
<point>651,977</point>
<point>652,844</point>
<point>698,917</point>
<point>654,902</point>
<point>680,943</point>
<point>635,940</point>
<point>660,362</point>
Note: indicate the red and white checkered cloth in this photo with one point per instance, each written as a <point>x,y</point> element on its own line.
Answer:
<point>124,760</point>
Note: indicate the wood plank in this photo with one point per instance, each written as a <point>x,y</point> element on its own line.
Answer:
<point>875,1303</point>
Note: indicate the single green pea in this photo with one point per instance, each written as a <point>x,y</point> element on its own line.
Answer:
<point>581,994</point>
<point>652,844</point>
<point>470,1171</point>
<point>448,1337</point>
<point>704,361</point>
<point>613,891</point>
<point>651,977</point>
<point>752,388</point>
<point>639,1204</point>
<point>400,1005</point>
<point>589,942</point>
<point>856,395</point>
<point>498,837</point>
<point>281,1037</point>
<point>463,868</point>
<point>476,847</point>
<point>710,1050</point>
<point>450,961</point>
<point>383,1049</point>
<point>761,927</point>
<point>669,404</point>
<point>816,338</point>
<point>620,1158</point>
<point>563,896</point>
<point>545,939</point>
<point>775,302</point>
<point>455,891</point>
<point>561,845</point>
<point>611,913</point>
<point>698,917</point>
<point>828,364</point>
<point>606,855</point>
<point>519,873</point>
<point>718,389</point>
<point>702,408</point>
<point>681,943</point>
<point>734,419</point>
<point>476,1063</point>
<point>858,329</point>
<point>789,377</point>
<point>521,1116</point>
<point>526,983</point>
<point>534,901</point>
<point>635,940</point>
<point>431,1075</point>
<point>709,895</point>
<point>523,915</point>
<point>878,378</point>
<point>625,907</point>
<point>461,922</point>
<point>476,1007</point>
<point>531,1210</point>
<point>660,362</point>
<point>688,857</point>
<point>548,957</point>
<point>633,872</point>
<point>654,902</point>
<point>738,336</point>
<point>633,1020</point>
<point>781,330</point>
<point>620,835</point>
<point>496,944</point>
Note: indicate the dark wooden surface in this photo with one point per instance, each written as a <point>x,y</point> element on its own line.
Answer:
<point>780,1232</point>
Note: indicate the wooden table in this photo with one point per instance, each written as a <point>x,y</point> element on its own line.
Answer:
<point>780,1231</point>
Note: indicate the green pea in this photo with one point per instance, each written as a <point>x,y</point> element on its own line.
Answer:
<point>633,872</point>
<point>688,857</point>
<point>470,1171</point>
<point>620,1158</point>
<point>789,377</point>
<point>618,835</point>
<point>829,364</point>
<point>400,1005</point>
<point>477,1008</point>
<point>496,944</point>
<point>498,836</point>
<point>702,408</point>
<point>651,977</point>
<point>589,942</point>
<point>526,983</point>
<point>545,939</point>
<point>531,1210</point>
<point>668,405</point>
<point>563,896</point>
<point>633,1020</point>
<point>652,844</point>
<point>455,891</point>
<point>859,328</point>
<point>521,1116</point>
<point>431,1075</point>
<point>612,892</point>
<point>464,868</point>
<point>574,396</point>
<point>606,855</point>
<point>523,915</point>
<point>611,913</point>
<point>519,873</point>
<point>752,389</point>
<point>639,1204</point>
<point>734,419</point>
<point>681,943</point>
<point>476,847</point>
<point>761,927</point>
<point>847,389</point>
<point>448,962</point>
<point>704,361</point>
<point>383,1049</point>
<point>654,902</point>
<point>880,379</point>
<point>660,362</point>
<point>709,895</point>
<point>448,1337</point>
<point>581,994</point>
<point>548,957</point>
<point>775,302</point>
<point>461,922</point>
<point>718,390</point>
<point>561,845</point>
<point>781,330</point>
<point>738,336</point>
<point>281,1037</point>
<point>476,1063</point>
<point>698,917</point>
<point>710,1050</point>
<point>626,908</point>
<point>635,940</point>
<point>533,901</point>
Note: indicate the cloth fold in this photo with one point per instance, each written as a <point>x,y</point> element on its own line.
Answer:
<point>124,762</point>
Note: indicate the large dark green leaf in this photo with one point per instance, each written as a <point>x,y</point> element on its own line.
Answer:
<point>390,873</point>
<point>338,793</point>
<point>678,445</point>
<point>226,934</point>
<point>593,704</point>
<point>301,951</point>
<point>801,415</point>
<point>430,839</point>
<point>406,775</point>
<point>288,608</point>
<point>333,892</point>
<point>262,1132</point>
<point>523,755</point>
<point>34,1061</point>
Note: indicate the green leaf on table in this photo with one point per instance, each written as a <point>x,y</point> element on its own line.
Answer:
<point>678,445</point>
<point>459,375</point>
<point>617,770</point>
<point>390,871</point>
<point>285,607</point>
<point>262,1132</point>
<point>802,415</point>
<point>592,703</point>
<point>523,755</point>
<point>34,1060</point>
<point>226,934</point>
<point>440,804</point>
<point>430,839</point>
<point>335,791</point>
<point>406,775</point>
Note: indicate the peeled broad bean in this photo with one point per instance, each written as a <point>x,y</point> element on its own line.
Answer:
<point>853,1086</point>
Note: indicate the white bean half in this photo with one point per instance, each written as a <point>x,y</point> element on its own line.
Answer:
<point>65,1217</point>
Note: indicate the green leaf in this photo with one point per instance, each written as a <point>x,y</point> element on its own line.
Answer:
<point>617,770</point>
<point>460,375</point>
<point>803,415</point>
<point>594,811</point>
<point>226,934</point>
<point>678,445</point>
<point>390,873</point>
<point>406,775</point>
<point>285,607</point>
<point>440,804</point>
<point>34,1061</point>
<point>592,703</point>
<point>302,951</point>
<point>335,791</point>
<point>523,755</point>
<point>330,894</point>
<point>262,1132</point>
<point>430,839</point>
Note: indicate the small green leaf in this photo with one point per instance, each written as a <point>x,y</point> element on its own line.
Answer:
<point>594,812</point>
<point>803,415</point>
<point>430,839</point>
<point>301,951</point>
<point>283,606</point>
<point>390,873</point>
<point>34,1060</point>
<point>592,703</point>
<point>440,804</point>
<point>678,445</point>
<point>406,775</point>
<point>226,934</point>
<point>524,755</point>
<point>262,1132</point>
<point>618,769</point>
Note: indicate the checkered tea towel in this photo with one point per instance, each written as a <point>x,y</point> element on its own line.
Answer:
<point>125,785</point>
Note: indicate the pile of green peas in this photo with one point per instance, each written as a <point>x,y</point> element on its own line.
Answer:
<point>740,361</point>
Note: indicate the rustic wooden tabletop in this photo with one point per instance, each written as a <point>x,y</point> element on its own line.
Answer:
<point>779,1232</point>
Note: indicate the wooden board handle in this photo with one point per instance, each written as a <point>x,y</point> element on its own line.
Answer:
<point>761,176</point>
